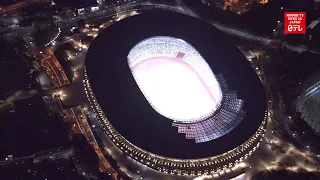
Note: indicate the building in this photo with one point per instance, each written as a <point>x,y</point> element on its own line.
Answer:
<point>168,94</point>
<point>309,102</point>
<point>75,4</point>
<point>70,9</point>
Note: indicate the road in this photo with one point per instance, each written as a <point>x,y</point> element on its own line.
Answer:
<point>144,4</point>
<point>55,153</point>
<point>275,153</point>
<point>103,12</point>
<point>19,5</point>
<point>79,114</point>
<point>226,29</point>
<point>50,64</point>
<point>262,40</point>
<point>263,159</point>
<point>75,95</point>
<point>55,67</point>
<point>6,105</point>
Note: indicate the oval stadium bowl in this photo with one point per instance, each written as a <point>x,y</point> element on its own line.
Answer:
<point>175,79</point>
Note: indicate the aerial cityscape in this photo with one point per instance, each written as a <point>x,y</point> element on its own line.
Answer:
<point>160,89</point>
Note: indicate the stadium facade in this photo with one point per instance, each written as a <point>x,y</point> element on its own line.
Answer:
<point>165,83</point>
<point>308,102</point>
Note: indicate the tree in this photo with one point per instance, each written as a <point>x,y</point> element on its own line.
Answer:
<point>81,23</point>
<point>44,30</point>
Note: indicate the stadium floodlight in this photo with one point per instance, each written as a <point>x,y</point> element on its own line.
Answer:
<point>175,79</point>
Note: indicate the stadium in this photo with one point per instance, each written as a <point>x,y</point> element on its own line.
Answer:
<point>308,102</point>
<point>174,94</point>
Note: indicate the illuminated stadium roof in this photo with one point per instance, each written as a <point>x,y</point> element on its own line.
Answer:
<point>208,92</point>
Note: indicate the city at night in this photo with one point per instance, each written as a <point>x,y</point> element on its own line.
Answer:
<point>160,90</point>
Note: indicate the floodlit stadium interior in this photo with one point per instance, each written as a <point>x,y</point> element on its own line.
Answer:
<point>170,70</point>
<point>179,84</point>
